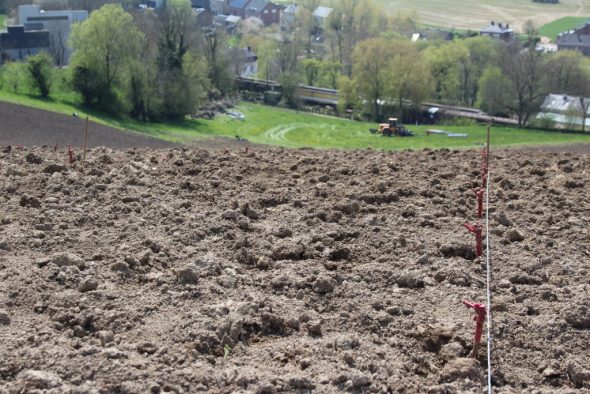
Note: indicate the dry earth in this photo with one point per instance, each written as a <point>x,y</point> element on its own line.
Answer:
<point>176,271</point>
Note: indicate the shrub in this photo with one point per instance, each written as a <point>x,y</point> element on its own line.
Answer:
<point>40,68</point>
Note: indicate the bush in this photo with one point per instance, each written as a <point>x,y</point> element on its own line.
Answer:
<point>13,75</point>
<point>459,122</point>
<point>544,122</point>
<point>40,68</point>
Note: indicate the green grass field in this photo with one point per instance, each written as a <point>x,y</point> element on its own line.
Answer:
<point>475,14</point>
<point>267,125</point>
<point>288,128</point>
<point>552,29</point>
<point>2,21</point>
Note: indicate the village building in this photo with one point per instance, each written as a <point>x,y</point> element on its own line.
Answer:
<point>220,7</point>
<point>204,4</point>
<point>498,31</point>
<point>57,23</point>
<point>320,15</point>
<point>16,43</point>
<point>238,8</point>
<point>247,62</point>
<point>227,22</point>
<point>288,18</point>
<point>576,40</point>
<point>203,16</point>
<point>565,110</point>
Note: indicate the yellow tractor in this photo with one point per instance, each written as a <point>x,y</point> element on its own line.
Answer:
<point>394,127</point>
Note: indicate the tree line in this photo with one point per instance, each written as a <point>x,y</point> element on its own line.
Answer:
<point>367,54</point>
<point>163,65</point>
<point>150,66</point>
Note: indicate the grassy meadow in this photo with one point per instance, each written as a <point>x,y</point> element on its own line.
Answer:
<point>552,29</point>
<point>2,21</point>
<point>289,128</point>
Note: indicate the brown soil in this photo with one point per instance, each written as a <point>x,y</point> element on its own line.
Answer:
<point>20,125</point>
<point>289,271</point>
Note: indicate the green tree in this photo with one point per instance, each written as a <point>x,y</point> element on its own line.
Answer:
<point>405,23</point>
<point>347,97</point>
<point>176,33</point>
<point>351,22</point>
<point>483,53</point>
<point>181,73</point>
<point>216,50</point>
<point>14,75</point>
<point>40,68</point>
<point>494,90</point>
<point>329,74</point>
<point>104,47</point>
<point>371,71</point>
<point>311,70</point>
<point>446,64</point>
<point>527,71</point>
<point>143,93</point>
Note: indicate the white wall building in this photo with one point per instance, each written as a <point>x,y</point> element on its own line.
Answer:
<point>58,23</point>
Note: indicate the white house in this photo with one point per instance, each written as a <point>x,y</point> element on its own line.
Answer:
<point>564,109</point>
<point>58,23</point>
<point>321,15</point>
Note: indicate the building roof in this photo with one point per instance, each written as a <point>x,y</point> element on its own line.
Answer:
<point>573,39</point>
<point>240,4</point>
<point>322,12</point>
<point>562,103</point>
<point>17,38</point>
<point>257,5</point>
<point>496,28</point>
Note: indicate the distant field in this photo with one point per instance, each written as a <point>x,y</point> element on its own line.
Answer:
<point>552,29</point>
<point>288,128</point>
<point>475,14</point>
<point>2,21</point>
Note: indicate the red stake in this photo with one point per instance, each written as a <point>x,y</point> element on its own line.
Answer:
<point>55,148</point>
<point>479,194</point>
<point>247,149</point>
<point>480,317</point>
<point>70,154</point>
<point>478,231</point>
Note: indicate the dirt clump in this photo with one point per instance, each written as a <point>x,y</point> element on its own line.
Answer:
<point>205,270</point>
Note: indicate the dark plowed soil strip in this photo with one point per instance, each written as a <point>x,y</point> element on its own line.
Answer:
<point>20,125</point>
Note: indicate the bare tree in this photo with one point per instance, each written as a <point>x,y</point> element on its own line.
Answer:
<point>527,72</point>
<point>58,33</point>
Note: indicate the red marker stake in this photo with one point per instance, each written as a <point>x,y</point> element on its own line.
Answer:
<point>479,194</point>
<point>480,317</point>
<point>478,231</point>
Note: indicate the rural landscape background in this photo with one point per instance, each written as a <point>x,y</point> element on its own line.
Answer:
<point>253,196</point>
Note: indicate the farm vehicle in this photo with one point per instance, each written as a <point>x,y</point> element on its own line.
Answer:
<point>393,127</point>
